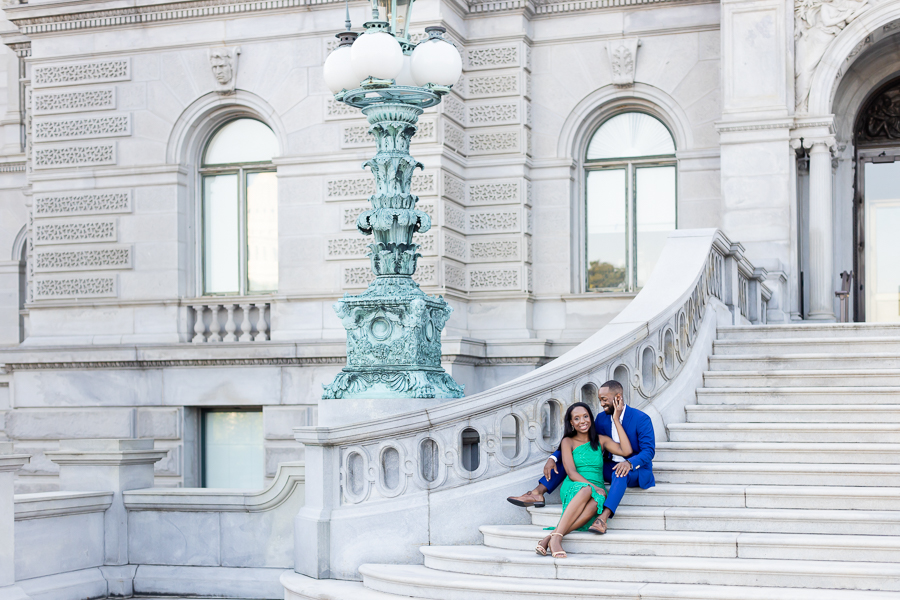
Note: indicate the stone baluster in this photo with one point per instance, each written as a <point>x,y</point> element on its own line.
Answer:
<point>199,327</point>
<point>9,464</point>
<point>246,336</point>
<point>821,260</point>
<point>109,466</point>
<point>262,327</point>
<point>230,325</point>
<point>215,329</point>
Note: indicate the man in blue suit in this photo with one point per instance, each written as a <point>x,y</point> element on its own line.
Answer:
<point>619,473</point>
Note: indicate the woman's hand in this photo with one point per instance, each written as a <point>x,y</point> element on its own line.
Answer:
<point>619,403</point>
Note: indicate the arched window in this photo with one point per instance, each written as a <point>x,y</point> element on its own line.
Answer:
<point>630,200</point>
<point>240,210</point>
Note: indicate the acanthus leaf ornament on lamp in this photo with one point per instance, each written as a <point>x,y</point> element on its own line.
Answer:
<point>393,328</point>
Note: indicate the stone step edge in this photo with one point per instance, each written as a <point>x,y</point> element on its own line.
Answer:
<point>425,577</point>
<point>739,513</point>
<point>775,425</point>
<point>823,389</point>
<point>850,408</point>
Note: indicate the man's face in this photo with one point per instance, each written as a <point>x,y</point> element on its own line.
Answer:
<point>607,400</point>
<point>221,69</point>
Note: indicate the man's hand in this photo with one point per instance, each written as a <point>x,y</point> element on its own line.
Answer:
<point>550,468</point>
<point>622,469</point>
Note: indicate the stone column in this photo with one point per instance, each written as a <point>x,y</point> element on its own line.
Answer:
<point>821,233</point>
<point>109,466</point>
<point>9,464</point>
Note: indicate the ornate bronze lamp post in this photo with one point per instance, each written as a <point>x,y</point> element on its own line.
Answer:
<point>393,328</point>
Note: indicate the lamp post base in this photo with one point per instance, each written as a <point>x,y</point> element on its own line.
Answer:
<point>393,343</point>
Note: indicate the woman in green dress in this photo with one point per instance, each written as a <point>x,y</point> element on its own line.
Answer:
<point>583,491</point>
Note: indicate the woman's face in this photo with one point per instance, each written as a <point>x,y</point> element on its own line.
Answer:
<point>581,420</point>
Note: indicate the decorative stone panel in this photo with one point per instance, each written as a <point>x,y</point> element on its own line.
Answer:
<point>454,217</point>
<point>488,86</point>
<point>80,73</point>
<point>75,287</point>
<point>425,132</point>
<point>495,192</point>
<point>454,277</point>
<point>426,274</point>
<point>341,248</point>
<point>495,221</point>
<point>74,156</point>
<point>495,250</point>
<point>64,102</point>
<point>454,137</point>
<point>363,186</point>
<point>75,233</point>
<point>357,277</point>
<point>351,213</point>
<point>494,279</point>
<point>495,142</point>
<point>86,127</point>
<point>82,203</point>
<point>528,252</point>
<point>454,188</point>
<point>495,113</point>
<point>454,109</point>
<point>529,190</point>
<point>88,259</point>
<point>529,222</point>
<point>355,136</point>
<point>454,246</point>
<point>492,57</point>
<point>339,110</point>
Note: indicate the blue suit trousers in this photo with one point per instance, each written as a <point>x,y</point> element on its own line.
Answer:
<point>617,485</point>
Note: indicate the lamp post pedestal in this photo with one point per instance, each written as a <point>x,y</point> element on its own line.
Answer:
<point>393,328</point>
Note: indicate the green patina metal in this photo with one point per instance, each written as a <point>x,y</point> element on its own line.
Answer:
<point>393,328</point>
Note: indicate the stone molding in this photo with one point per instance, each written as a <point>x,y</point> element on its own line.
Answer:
<point>78,73</point>
<point>55,157</point>
<point>52,130</point>
<point>60,504</point>
<point>75,232</point>
<point>75,287</point>
<point>82,203</point>
<point>82,259</point>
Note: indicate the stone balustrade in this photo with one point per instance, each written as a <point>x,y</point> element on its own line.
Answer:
<point>411,471</point>
<point>227,322</point>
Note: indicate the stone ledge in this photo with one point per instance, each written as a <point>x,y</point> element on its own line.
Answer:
<point>56,504</point>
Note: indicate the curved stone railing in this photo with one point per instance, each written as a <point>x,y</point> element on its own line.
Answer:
<point>392,467</point>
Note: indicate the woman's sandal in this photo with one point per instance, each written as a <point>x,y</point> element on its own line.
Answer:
<point>558,553</point>
<point>540,549</point>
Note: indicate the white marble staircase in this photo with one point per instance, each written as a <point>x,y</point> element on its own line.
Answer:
<point>782,484</point>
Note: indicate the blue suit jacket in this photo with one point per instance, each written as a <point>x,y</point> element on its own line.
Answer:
<point>639,429</point>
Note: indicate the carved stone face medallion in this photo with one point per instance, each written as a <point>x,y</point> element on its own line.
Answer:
<point>223,63</point>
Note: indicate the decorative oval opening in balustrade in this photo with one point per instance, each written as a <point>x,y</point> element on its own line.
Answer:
<point>669,351</point>
<point>589,396</point>
<point>469,441</point>
<point>648,379</point>
<point>551,422</point>
<point>390,468</point>
<point>509,436</point>
<point>356,473</point>
<point>621,375</point>
<point>428,459</point>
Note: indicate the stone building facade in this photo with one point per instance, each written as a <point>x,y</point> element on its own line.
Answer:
<point>111,325</point>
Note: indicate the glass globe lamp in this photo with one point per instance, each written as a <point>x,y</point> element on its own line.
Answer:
<point>376,55</point>
<point>435,62</point>
<point>338,70</point>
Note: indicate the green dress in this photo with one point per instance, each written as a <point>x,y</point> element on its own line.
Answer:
<point>589,464</point>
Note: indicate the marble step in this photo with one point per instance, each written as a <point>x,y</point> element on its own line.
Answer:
<point>786,413</point>
<point>704,544</point>
<point>888,433</point>
<point>830,497</point>
<point>791,474</point>
<point>802,378</point>
<point>421,582</point>
<point>798,395</point>
<point>851,345</point>
<point>799,362</point>
<point>805,331</point>
<point>742,520</point>
<point>760,452</point>
<point>799,573</point>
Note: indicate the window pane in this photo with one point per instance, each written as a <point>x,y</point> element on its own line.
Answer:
<point>606,230</point>
<point>655,208</point>
<point>262,232</point>
<point>243,140</point>
<point>629,135</point>
<point>233,450</point>
<point>221,235</point>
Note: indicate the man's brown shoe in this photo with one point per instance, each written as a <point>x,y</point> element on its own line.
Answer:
<point>526,501</point>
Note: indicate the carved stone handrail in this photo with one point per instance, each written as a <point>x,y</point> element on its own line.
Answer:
<point>461,442</point>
